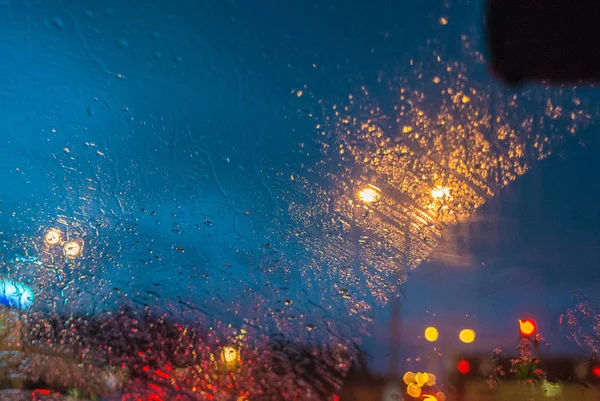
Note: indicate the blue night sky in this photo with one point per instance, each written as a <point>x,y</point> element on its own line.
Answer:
<point>167,134</point>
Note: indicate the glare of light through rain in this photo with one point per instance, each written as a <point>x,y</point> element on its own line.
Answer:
<point>229,354</point>
<point>53,236</point>
<point>72,249</point>
<point>369,194</point>
<point>435,161</point>
<point>440,192</point>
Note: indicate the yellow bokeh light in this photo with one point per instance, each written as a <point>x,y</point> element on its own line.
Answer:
<point>72,249</point>
<point>408,378</point>
<point>438,397</point>
<point>413,390</point>
<point>53,236</point>
<point>229,354</point>
<point>431,334</point>
<point>369,194</point>
<point>467,336</point>
<point>422,379</point>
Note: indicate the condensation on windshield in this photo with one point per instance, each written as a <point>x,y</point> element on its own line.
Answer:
<point>192,201</point>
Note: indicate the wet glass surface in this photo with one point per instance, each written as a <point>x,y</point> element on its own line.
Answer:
<point>222,199</point>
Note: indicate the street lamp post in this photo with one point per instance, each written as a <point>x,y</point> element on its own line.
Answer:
<point>371,195</point>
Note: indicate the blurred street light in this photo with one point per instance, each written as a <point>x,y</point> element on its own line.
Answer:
<point>440,192</point>
<point>229,355</point>
<point>73,249</point>
<point>369,194</point>
<point>431,334</point>
<point>467,336</point>
<point>53,236</point>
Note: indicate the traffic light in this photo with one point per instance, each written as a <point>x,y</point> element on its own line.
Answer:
<point>465,370</point>
<point>527,327</point>
<point>463,366</point>
<point>528,330</point>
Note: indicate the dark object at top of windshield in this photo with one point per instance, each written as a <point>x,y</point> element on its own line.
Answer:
<point>555,41</point>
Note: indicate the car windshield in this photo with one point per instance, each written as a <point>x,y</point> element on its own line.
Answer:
<point>288,200</point>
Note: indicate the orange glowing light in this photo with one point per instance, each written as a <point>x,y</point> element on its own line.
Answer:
<point>72,249</point>
<point>422,378</point>
<point>229,354</point>
<point>527,327</point>
<point>463,367</point>
<point>440,192</point>
<point>413,390</point>
<point>409,377</point>
<point>369,194</point>
<point>52,236</point>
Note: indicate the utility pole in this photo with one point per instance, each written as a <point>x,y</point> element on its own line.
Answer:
<point>396,309</point>
<point>394,336</point>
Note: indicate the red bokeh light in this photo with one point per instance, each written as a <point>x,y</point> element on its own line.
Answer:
<point>162,374</point>
<point>596,371</point>
<point>463,367</point>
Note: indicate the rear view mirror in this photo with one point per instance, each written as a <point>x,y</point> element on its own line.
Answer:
<point>555,41</point>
